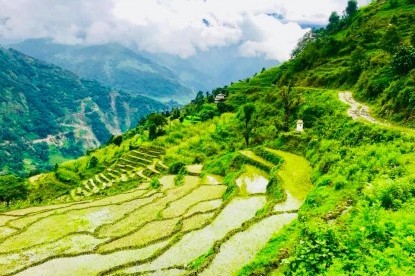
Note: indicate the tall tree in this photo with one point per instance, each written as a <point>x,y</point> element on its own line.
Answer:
<point>290,100</point>
<point>247,114</point>
<point>351,8</point>
<point>200,99</point>
<point>155,124</point>
<point>12,188</point>
<point>334,20</point>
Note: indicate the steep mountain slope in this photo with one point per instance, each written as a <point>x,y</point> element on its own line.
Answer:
<point>371,50</point>
<point>113,65</point>
<point>47,111</point>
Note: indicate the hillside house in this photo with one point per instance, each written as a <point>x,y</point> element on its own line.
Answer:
<point>220,98</point>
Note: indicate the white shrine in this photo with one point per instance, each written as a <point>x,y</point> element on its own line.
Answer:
<point>300,126</point>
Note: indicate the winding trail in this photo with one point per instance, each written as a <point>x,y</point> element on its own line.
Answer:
<point>361,111</point>
<point>358,110</point>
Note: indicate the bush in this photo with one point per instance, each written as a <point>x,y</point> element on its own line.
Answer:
<point>275,191</point>
<point>325,180</point>
<point>314,252</point>
<point>394,193</point>
<point>93,162</point>
<point>155,183</point>
<point>176,167</point>
<point>339,183</point>
<point>67,176</point>
<point>403,60</point>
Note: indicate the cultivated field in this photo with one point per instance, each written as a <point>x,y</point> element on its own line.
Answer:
<point>168,230</point>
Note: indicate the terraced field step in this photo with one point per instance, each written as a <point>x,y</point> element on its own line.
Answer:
<point>138,159</point>
<point>152,151</point>
<point>258,160</point>
<point>295,173</point>
<point>144,154</point>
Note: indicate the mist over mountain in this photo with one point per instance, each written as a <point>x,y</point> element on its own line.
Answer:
<point>113,65</point>
<point>160,76</point>
<point>215,67</point>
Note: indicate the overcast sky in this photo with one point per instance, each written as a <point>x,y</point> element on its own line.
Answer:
<point>181,27</point>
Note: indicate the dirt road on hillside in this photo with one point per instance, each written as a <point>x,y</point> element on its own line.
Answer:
<point>357,110</point>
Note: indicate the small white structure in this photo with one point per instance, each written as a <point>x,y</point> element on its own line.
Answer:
<point>300,126</point>
<point>219,98</point>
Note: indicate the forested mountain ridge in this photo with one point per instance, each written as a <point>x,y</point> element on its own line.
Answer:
<point>112,65</point>
<point>50,112</point>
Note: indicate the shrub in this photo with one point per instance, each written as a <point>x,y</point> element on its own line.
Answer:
<point>155,183</point>
<point>275,191</point>
<point>325,180</point>
<point>176,167</point>
<point>314,252</point>
<point>394,193</point>
<point>403,60</point>
<point>67,176</point>
<point>93,162</point>
<point>339,183</point>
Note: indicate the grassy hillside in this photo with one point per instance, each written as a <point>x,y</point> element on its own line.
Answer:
<point>336,199</point>
<point>113,65</point>
<point>49,114</point>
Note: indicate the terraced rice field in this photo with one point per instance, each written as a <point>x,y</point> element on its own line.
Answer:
<point>157,232</point>
<point>134,165</point>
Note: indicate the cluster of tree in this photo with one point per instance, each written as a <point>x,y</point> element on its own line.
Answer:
<point>12,188</point>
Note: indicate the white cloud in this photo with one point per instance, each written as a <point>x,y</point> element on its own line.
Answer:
<point>179,27</point>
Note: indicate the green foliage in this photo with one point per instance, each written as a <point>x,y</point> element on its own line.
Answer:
<point>334,21</point>
<point>12,188</point>
<point>290,99</point>
<point>391,39</point>
<point>403,60</point>
<point>247,113</point>
<point>275,190</point>
<point>117,140</point>
<point>351,8</point>
<point>155,183</point>
<point>316,251</point>
<point>93,162</point>
<point>175,168</point>
<point>67,176</point>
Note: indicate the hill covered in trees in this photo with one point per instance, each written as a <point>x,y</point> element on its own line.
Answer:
<point>49,114</point>
<point>335,199</point>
